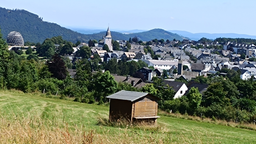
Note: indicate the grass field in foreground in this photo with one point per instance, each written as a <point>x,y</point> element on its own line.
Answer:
<point>31,118</point>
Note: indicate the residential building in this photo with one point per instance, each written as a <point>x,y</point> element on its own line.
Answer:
<point>180,88</point>
<point>162,64</point>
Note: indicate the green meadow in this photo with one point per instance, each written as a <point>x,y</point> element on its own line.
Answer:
<point>36,118</point>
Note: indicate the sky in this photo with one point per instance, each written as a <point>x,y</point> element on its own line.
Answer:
<point>196,16</point>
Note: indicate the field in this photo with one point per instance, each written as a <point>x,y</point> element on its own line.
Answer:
<point>34,118</point>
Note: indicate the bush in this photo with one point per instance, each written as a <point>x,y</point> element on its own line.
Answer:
<point>45,86</point>
<point>85,100</point>
<point>172,105</point>
<point>77,99</point>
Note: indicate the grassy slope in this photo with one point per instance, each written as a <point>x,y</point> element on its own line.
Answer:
<point>26,117</point>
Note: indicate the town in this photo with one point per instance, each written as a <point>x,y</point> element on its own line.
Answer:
<point>127,72</point>
<point>172,60</point>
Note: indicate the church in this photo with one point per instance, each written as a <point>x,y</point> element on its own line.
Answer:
<point>108,40</point>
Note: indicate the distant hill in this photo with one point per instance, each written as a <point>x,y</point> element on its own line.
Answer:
<point>125,35</point>
<point>197,36</point>
<point>144,36</point>
<point>155,34</point>
<point>34,29</point>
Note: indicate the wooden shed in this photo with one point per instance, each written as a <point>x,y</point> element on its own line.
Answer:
<point>133,106</point>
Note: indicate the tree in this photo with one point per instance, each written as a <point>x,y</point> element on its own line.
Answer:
<point>19,52</point>
<point>161,41</point>
<point>4,59</point>
<point>165,75</point>
<point>194,98</point>
<point>83,72</point>
<point>29,50</point>
<point>67,61</point>
<point>130,40</point>
<point>142,64</point>
<point>204,40</point>
<point>201,79</point>
<point>242,56</point>
<point>150,89</point>
<point>57,67</point>
<point>128,45</point>
<point>95,62</point>
<point>32,56</point>
<point>78,43</point>
<point>215,94</point>
<point>252,59</point>
<point>185,67</point>
<point>133,67</point>
<point>46,49</point>
<point>91,43</point>
<point>135,39</point>
<point>84,52</point>
<point>116,45</point>
<point>105,47</point>
<point>50,52</point>
<point>67,49</point>
<point>156,57</point>
<point>175,71</point>
<point>112,66</point>
<point>155,41</point>
<point>104,85</point>
<point>247,89</point>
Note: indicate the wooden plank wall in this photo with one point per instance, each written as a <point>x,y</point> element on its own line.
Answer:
<point>145,108</point>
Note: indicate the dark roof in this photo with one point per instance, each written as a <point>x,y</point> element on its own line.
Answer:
<point>197,66</point>
<point>127,95</point>
<point>250,65</point>
<point>145,68</point>
<point>235,68</point>
<point>243,71</point>
<point>201,87</point>
<point>137,82</point>
<point>174,84</point>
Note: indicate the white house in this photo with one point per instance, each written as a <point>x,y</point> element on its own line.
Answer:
<point>179,87</point>
<point>162,64</point>
<point>245,75</point>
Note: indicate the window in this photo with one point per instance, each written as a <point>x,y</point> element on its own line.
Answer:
<point>181,92</point>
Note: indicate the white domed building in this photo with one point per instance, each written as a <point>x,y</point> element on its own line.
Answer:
<point>15,39</point>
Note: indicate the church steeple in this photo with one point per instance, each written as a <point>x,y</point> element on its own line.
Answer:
<point>108,33</point>
<point>108,40</point>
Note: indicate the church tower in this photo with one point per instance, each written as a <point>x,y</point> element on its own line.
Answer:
<point>180,67</point>
<point>108,40</point>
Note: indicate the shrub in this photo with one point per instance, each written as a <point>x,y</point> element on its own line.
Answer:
<point>77,99</point>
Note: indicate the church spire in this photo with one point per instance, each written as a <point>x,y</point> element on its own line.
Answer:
<point>108,33</point>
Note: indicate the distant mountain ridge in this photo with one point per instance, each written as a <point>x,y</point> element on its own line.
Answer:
<point>197,36</point>
<point>34,29</point>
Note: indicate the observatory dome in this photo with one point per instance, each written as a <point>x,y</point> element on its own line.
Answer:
<point>15,38</point>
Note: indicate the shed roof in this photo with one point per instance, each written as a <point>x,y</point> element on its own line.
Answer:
<point>127,95</point>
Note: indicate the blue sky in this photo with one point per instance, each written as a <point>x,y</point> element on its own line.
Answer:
<point>211,16</point>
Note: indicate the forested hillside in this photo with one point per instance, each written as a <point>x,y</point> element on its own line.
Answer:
<point>34,29</point>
